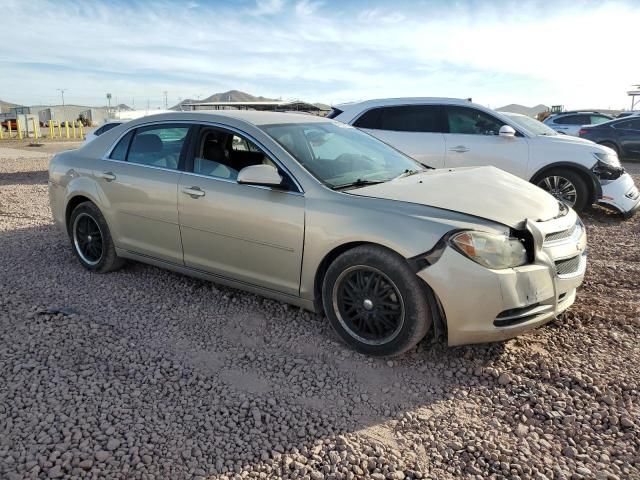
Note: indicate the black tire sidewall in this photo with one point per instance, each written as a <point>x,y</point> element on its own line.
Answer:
<point>417,319</point>
<point>582,190</point>
<point>109,260</point>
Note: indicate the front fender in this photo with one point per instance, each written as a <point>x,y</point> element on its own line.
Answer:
<point>405,228</point>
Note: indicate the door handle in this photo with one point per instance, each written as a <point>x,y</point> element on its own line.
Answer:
<point>108,176</point>
<point>193,192</point>
<point>459,149</point>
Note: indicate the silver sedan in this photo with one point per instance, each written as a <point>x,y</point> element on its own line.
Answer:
<point>321,215</point>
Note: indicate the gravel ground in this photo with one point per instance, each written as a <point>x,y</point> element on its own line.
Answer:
<point>149,374</point>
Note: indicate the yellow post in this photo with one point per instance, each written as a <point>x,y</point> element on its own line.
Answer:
<point>1,132</point>
<point>81,131</point>
<point>66,129</point>
<point>50,129</point>
<point>35,130</point>
<point>9,125</point>
<point>59,129</point>
<point>73,126</point>
<point>19,129</point>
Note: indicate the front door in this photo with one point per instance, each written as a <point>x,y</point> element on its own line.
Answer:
<point>473,140</point>
<point>247,233</point>
<point>138,186</point>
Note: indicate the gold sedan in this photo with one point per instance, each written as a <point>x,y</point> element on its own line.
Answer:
<point>321,215</point>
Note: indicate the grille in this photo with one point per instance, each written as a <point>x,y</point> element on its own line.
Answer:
<point>552,237</point>
<point>568,266</point>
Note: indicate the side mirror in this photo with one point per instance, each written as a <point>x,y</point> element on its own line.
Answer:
<point>265,175</point>
<point>507,131</point>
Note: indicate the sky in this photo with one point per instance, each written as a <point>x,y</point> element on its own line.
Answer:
<point>578,53</point>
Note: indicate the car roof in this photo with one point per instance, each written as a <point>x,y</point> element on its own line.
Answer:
<point>402,101</point>
<point>574,112</point>
<point>249,116</point>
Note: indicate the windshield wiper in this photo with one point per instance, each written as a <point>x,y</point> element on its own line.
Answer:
<point>358,183</point>
<point>407,173</point>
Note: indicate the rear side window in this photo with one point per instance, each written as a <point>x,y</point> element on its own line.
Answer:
<point>574,120</point>
<point>402,118</point>
<point>334,112</point>
<point>597,119</point>
<point>106,128</point>
<point>369,119</point>
<point>411,118</point>
<point>469,121</point>
<point>158,146</point>
<point>120,152</point>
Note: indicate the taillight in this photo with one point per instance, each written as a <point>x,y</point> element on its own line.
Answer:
<point>583,131</point>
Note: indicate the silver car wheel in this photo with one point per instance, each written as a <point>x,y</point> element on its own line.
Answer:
<point>87,239</point>
<point>368,305</point>
<point>561,188</point>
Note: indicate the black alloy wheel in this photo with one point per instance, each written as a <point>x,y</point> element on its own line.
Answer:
<point>87,238</point>
<point>368,305</point>
<point>375,301</point>
<point>567,186</point>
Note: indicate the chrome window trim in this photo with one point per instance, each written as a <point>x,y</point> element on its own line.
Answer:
<point>269,154</point>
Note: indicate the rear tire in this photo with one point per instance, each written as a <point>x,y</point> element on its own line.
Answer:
<point>375,302</point>
<point>91,240</point>
<point>567,186</point>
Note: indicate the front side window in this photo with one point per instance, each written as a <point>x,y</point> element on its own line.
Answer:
<point>158,146</point>
<point>339,155</point>
<point>469,121</point>
<point>222,154</point>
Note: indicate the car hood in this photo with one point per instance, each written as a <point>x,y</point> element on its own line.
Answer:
<point>485,192</point>
<point>565,139</point>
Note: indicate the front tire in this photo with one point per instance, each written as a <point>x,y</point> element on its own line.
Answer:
<point>91,240</point>
<point>567,186</point>
<point>375,302</point>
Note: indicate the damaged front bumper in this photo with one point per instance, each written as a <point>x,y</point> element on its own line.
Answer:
<point>621,194</point>
<point>483,305</point>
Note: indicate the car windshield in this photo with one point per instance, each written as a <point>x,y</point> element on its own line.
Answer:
<point>341,156</point>
<point>531,125</point>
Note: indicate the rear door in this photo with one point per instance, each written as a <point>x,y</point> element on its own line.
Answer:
<point>415,130</point>
<point>473,140</point>
<point>138,185</point>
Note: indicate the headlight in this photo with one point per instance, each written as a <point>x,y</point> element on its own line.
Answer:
<point>489,250</point>
<point>608,158</point>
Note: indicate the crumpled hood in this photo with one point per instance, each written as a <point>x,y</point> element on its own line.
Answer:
<point>485,192</point>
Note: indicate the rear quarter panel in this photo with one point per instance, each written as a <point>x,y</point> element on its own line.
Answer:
<point>70,175</point>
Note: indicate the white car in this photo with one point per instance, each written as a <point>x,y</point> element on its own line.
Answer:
<point>105,127</point>
<point>570,123</point>
<point>445,133</point>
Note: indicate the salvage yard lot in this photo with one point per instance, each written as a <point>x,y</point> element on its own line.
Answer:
<point>145,373</point>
